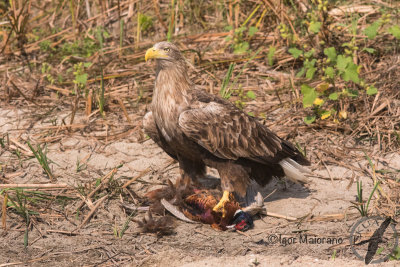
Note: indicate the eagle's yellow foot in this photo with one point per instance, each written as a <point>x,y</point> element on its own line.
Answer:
<point>220,206</point>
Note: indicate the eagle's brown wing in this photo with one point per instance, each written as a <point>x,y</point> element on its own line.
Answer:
<point>228,133</point>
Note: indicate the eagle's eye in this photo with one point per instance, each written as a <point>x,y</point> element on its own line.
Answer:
<point>166,49</point>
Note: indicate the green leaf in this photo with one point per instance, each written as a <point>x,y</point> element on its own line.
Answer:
<point>342,62</point>
<point>334,96</point>
<point>350,73</point>
<point>228,38</point>
<point>369,50</point>
<point>228,28</point>
<point>330,72</point>
<point>352,93</point>
<point>241,48</point>
<point>330,52</point>
<point>372,30</point>
<point>379,250</point>
<point>295,52</point>
<point>271,53</point>
<point>309,95</point>
<point>309,64</point>
<point>372,90</point>
<point>252,31</point>
<point>315,26</point>
<point>309,119</point>
<point>301,72</point>
<point>87,64</point>
<point>106,34</point>
<point>309,53</point>
<point>310,72</point>
<point>251,95</point>
<point>81,78</point>
<point>395,31</point>
<point>240,29</point>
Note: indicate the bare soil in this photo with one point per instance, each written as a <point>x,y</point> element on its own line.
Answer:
<point>322,209</point>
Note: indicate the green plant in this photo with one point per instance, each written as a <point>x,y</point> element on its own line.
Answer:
<point>18,201</point>
<point>171,22</point>
<point>333,64</point>
<point>242,98</point>
<point>41,157</point>
<point>125,226</point>
<point>224,92</point>
<point>271,55</point>
<point>396,254</point>
<point>23,202</point>
<point>333,257</point>
<point>145,22</point>
<point>46,69</point>
<point>81,77</point>
<point>80,166</point>
<point>101,100</point>
<point>243,34</point>
<point>361,205</point>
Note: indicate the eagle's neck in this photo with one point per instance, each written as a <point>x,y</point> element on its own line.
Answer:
<point>171,94</point>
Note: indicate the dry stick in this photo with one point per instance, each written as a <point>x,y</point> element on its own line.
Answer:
<point>157,11</point>
<point>61,232</point>
<point>18,144</point>
<point>91,213</point>
<point>75,107</point>
<point>24,262</point>
<point>3,186</point>
<point>124,109</point>
<point>22,94</point>
<point>276,215</point>
<point>326,167</point>
<point>110,174</point>
<point>142,173</point>
<point>4,212</point>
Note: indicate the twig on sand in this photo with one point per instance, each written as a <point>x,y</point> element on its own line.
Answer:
<point>276,215</point>
<point>3,186</point>
<point>98,203</point>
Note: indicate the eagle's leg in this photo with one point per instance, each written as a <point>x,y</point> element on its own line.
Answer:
<point>234,178</point>
<point>191,169</point>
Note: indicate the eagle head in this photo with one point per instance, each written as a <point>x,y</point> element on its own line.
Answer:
<point>164,51</point>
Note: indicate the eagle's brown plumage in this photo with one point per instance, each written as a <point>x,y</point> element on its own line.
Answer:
<point>199,129</point>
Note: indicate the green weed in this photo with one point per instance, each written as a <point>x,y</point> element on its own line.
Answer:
<point>41,157</point>
<point>361,205</point>
<point>125,226</point>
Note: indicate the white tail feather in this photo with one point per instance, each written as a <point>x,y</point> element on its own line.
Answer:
<point>294,171</point>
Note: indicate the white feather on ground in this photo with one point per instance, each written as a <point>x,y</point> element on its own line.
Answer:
<point>294,171</point>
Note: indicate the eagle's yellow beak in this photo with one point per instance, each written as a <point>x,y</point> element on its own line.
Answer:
<point>154,53</point>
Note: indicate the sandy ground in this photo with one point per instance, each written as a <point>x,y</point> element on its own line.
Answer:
<point>190,245</point>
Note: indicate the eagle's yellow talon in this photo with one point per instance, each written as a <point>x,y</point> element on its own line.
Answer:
<point>220,206</point>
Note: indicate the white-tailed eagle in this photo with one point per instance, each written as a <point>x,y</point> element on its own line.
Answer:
<point>199,129</point>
